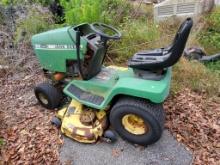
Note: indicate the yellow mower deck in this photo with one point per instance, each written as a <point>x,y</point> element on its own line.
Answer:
<point>73,127</point>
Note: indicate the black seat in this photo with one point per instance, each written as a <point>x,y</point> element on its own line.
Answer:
<point>163,57</point>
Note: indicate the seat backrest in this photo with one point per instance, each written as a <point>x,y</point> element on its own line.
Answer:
<point>175,50</point>
<point>167,56</point>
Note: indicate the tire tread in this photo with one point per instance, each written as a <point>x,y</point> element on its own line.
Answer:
<point>53,94</point>
<point>155,110</point>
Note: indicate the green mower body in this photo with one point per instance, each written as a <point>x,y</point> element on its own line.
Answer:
<point>113,82</point>
<point>55,48</point>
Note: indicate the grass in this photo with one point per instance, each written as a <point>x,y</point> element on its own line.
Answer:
<point>137,35</point>
<point>195,76</point>
<point>35,22</point>
<point>209,36</point>
<point>214,67</point>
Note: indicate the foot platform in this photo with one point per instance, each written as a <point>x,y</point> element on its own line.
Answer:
<point>84,95</point>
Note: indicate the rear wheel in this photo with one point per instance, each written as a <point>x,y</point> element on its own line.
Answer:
<point>48,96</point>
<point>138,121</point>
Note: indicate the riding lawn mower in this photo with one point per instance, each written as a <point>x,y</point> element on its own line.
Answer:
<point>94,99</point>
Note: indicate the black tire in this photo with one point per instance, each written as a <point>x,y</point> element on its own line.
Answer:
<point>56,121</point>
<point>152,114</point>
<point>52,95</point>
<point>110,135</point>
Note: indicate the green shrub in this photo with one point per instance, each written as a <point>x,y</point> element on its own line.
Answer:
<point>78,11</point>
<point>5,2</point>
<point>35,22</point>
<point>210,35</point>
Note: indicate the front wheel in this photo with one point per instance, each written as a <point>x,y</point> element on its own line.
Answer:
<point>138,121</point>
<point>48,96</point>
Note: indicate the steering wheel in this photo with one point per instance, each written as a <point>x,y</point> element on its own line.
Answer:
<point>99,28</point>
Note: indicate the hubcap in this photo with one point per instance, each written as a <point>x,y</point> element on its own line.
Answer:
<point>43,98</point>
<point>134,124</point>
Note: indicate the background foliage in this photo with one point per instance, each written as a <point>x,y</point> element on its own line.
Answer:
<point>78,11</point>
<point>210,36</point>
<point>15,2</point>
<point>34,23</point>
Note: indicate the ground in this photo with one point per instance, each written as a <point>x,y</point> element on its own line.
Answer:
<point>166,151</point>
<point>192,118</point>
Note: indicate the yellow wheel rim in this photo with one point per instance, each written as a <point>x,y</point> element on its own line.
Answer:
<point>134,124</point>
<point>43,98</point>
